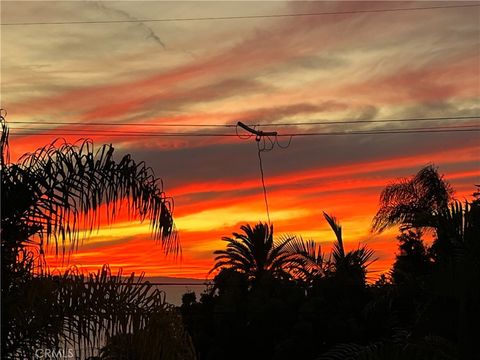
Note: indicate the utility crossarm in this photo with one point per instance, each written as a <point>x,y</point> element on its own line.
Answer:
<point>258,133</point>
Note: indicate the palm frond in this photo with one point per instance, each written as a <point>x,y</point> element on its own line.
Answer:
<point>61,189</point>
<point>410,202</point>
<point>338,249</point>
<point>4,150</point>
<point>255,252</point>
<point>311,261</point>
<point>83,312</point>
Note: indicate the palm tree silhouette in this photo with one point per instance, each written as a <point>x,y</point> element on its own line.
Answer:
<point>410,202</point>
<point>49,198</point>
<point>55,192</point>
<point>256,253</point>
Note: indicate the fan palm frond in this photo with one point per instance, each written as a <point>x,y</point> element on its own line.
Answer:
<point>255,252</point>
<point>410,202</point>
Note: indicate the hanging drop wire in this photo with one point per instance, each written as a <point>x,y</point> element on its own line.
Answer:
<point>283,146</point>
<point>259,152</point>
<point>266,141</point>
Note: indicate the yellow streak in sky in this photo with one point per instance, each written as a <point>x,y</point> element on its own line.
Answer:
<point>229,216</point>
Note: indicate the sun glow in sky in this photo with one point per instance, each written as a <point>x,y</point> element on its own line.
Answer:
<point>353,66</point>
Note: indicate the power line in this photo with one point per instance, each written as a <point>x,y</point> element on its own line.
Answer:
<point>125,134</point>
<point>304,123</point>
<point>328,122</point>
<point>337,133</point>
<point>40,122</point>
<point>242,17</point>
<point>86,132</point>
<point>381,132</point>
<point>109,131</point>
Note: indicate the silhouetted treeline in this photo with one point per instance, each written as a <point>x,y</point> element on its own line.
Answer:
<point>319,307</point>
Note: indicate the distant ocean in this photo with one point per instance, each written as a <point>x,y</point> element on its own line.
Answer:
<point>174,288</point>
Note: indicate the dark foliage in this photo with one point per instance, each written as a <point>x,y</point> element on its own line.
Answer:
<point>426,308</point>
<point>281,310</point>
<point>413,262</point>
<point>47,199</point>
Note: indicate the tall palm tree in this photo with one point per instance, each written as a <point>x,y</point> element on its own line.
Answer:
<point>49,198</point>
<point>410,202</point>
<point>255,252</point>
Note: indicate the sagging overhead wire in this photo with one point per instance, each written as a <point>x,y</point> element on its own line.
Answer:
<point>87,128</point>
<point>129,134</point>
<point>266,141</point>
<point>244,17</point>
<point>303,123</point>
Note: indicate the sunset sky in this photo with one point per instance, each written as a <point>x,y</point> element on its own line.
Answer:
<point>332,67</point>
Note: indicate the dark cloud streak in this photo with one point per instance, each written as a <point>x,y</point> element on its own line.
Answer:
<point>125,15</point>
